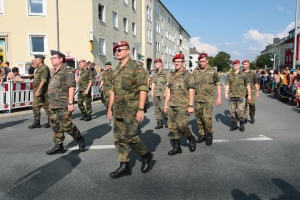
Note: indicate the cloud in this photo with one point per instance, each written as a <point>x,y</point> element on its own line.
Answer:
<point>229,43</point>
<point>288,28</point>
<point>254,49</point>
<point>279,7</point>
<point>210,49</point>
<point>259,37</point>
<point>236,53</point>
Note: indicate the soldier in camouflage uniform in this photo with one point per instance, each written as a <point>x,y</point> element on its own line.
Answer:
<point>40,88</point>
<point>237,83</point>
<point>84,91</point>
<point>254,91</point>
<point>180,93</point>
<point>107,83</point>
<point>61,94</point>
<point>206,79</point>
<point>158,89</point>
<point>128,96</point>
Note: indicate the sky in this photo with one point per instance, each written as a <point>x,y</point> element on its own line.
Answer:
<point>240,28</point>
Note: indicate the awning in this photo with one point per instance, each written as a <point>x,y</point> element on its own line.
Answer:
<point>69,59</point>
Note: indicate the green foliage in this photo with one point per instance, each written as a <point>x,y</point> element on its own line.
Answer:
<point>211,61</point>
<point>222,61</point>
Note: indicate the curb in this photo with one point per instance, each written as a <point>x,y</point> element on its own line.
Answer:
<point>29,112</point>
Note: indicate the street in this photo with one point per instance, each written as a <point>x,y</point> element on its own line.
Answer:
<point>260,163</point>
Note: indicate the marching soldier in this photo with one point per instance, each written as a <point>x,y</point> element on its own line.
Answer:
<point>128,96</point>
<point>84,91</point>
<point>180,93</point>
<point>158,89</point>
<point>107,83</point>
<point>237,83</point>
<point>40,88</point>
<point>254,91</point>
<point>206,79</point>
<point>61,94</point>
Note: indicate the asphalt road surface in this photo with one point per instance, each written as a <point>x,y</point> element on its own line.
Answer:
<point>260,163</point>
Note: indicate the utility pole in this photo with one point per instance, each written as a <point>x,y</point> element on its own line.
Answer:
<point>295,36</point>
<point>57,26</point>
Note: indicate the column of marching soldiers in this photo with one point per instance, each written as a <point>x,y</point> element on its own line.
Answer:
<point>175,95</point>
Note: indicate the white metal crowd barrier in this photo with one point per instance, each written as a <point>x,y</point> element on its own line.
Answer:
<point>18,95</point>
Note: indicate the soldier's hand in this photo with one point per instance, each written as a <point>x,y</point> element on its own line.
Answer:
<point>86,92</point>
<point>37,94</point>
<point>226,96</point>
<point>218,102</point>
<point>140,116</point>
<point>166,109</point>
<point>190,110</point>
<point>249,97</point>
<point>152,95</point>
<point>257,95</point>
<point>109,115</point>
<point>70,108</point>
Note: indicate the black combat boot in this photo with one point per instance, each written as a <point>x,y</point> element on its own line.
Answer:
<point>47,125</point>
<point>209,139</point>
<point>36,124</point>
<point>192,143</point>
<point>234,126</point>
<point>82,117</point>
<point>242,128</point>
<point>81,143</point>
<point>252,120</point>
<point>201,139</point>
<point>88,118</point>
<point>246,121</point>
<point>58,148</point>
<point>146,161</point>
<point>159,124</point>
<point>166,124</point>
<point>123,170</point>
<point>176,149</point>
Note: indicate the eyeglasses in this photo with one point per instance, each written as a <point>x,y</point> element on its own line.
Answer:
<point>53,58</point>
<point>202,61</point>
<point>119,50</point>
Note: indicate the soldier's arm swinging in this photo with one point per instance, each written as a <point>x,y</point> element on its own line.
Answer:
<point>37,93</point>
<point>249,92</point>
<point>152,89</point>
<point>226,91</point>
<point>110,105</point>
<point>191,100</point>
<point>167,99</point>
<point>88,88</point>
<point>142,101</point>
<point>71,98</point>
<point>219,97</point>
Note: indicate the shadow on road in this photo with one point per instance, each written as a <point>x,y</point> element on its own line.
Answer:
<point>94,115</point>
<point>144,123</point>
<point>40,180</point>
<point>289,192</point>
<point>225,119</point>
<point>12,123</point>
<point>151,140</point>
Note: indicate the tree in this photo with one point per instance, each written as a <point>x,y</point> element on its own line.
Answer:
<point>222,61</point>
<point>211,61</point>
<point>263,61</point>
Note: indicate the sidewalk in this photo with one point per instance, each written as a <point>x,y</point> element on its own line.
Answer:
<point>19,112</point>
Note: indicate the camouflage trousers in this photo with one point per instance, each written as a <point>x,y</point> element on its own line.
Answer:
<point>178,122</point>
<point>37,103</point>
<point>159,107</point>
<point>236,108</point>
<point>203,113</point>
<point>125,136</point>
<point>251,105</point>
<point>88,102</point>
<point>61,122</point>
<point>106,97</point>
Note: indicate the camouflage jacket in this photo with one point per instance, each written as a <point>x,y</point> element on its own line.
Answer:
<point>107,79</point>
<point>160,80</point>
<point>237,83</point>
<point>127,82</point>
<point>58,90</point>
<point>41,74</point>
<point>180,83</point>
<point>86,77</point>
<point>251,75</point>
<point>205,81</point>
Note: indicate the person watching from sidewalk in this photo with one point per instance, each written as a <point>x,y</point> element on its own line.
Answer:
<point>180,93</point>
<point>40,88</point>
<point>14,75</point>
<point>206,80</point>
<point>236,84</point>
<point>254,91</point>
<point>84,91</point>
<point>128,97</point>
<point>61,91</point>
<point>7,70</point>
<point>31,70</point>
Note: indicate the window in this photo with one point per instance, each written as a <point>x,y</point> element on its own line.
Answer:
<point>157,46</point>
<point>133,28</point>
<point>125,1</point>
<point>149,35</point>
<point>1,6</point>
<point>133,53</point>
<point>125,25</point>
<point>36,7</point>
<point>157,28</point>
<point>114,53</point>
<point>102,48</point>
<point>149,14</point>
<point>134,4</point>
<point>115,19</point>
<point>38,44</point>
<point>101,12</point>
<point>157,9</point>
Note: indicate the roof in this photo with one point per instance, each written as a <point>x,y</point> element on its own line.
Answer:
<point>194,51</point>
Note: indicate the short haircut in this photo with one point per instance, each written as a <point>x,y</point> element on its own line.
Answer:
<point>15,69</point>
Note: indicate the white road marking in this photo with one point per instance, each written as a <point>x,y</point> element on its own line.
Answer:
<point>220,141</point>
<point>259,138</point>
<point>94,147</point>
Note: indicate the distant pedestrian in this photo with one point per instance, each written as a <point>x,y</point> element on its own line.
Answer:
<point>7,70</point>
<point>106,82</point>
<point>14,75</point>
<point>61,95</point>
<point>31,69</point>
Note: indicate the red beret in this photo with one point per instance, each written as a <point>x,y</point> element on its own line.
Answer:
<point>158,60</point>
<point>82,60</point>
<point>202,55</point>
<point>178,56</point>
<point>120,44</point>
<point>245,61</point>
<point>236,62</point>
